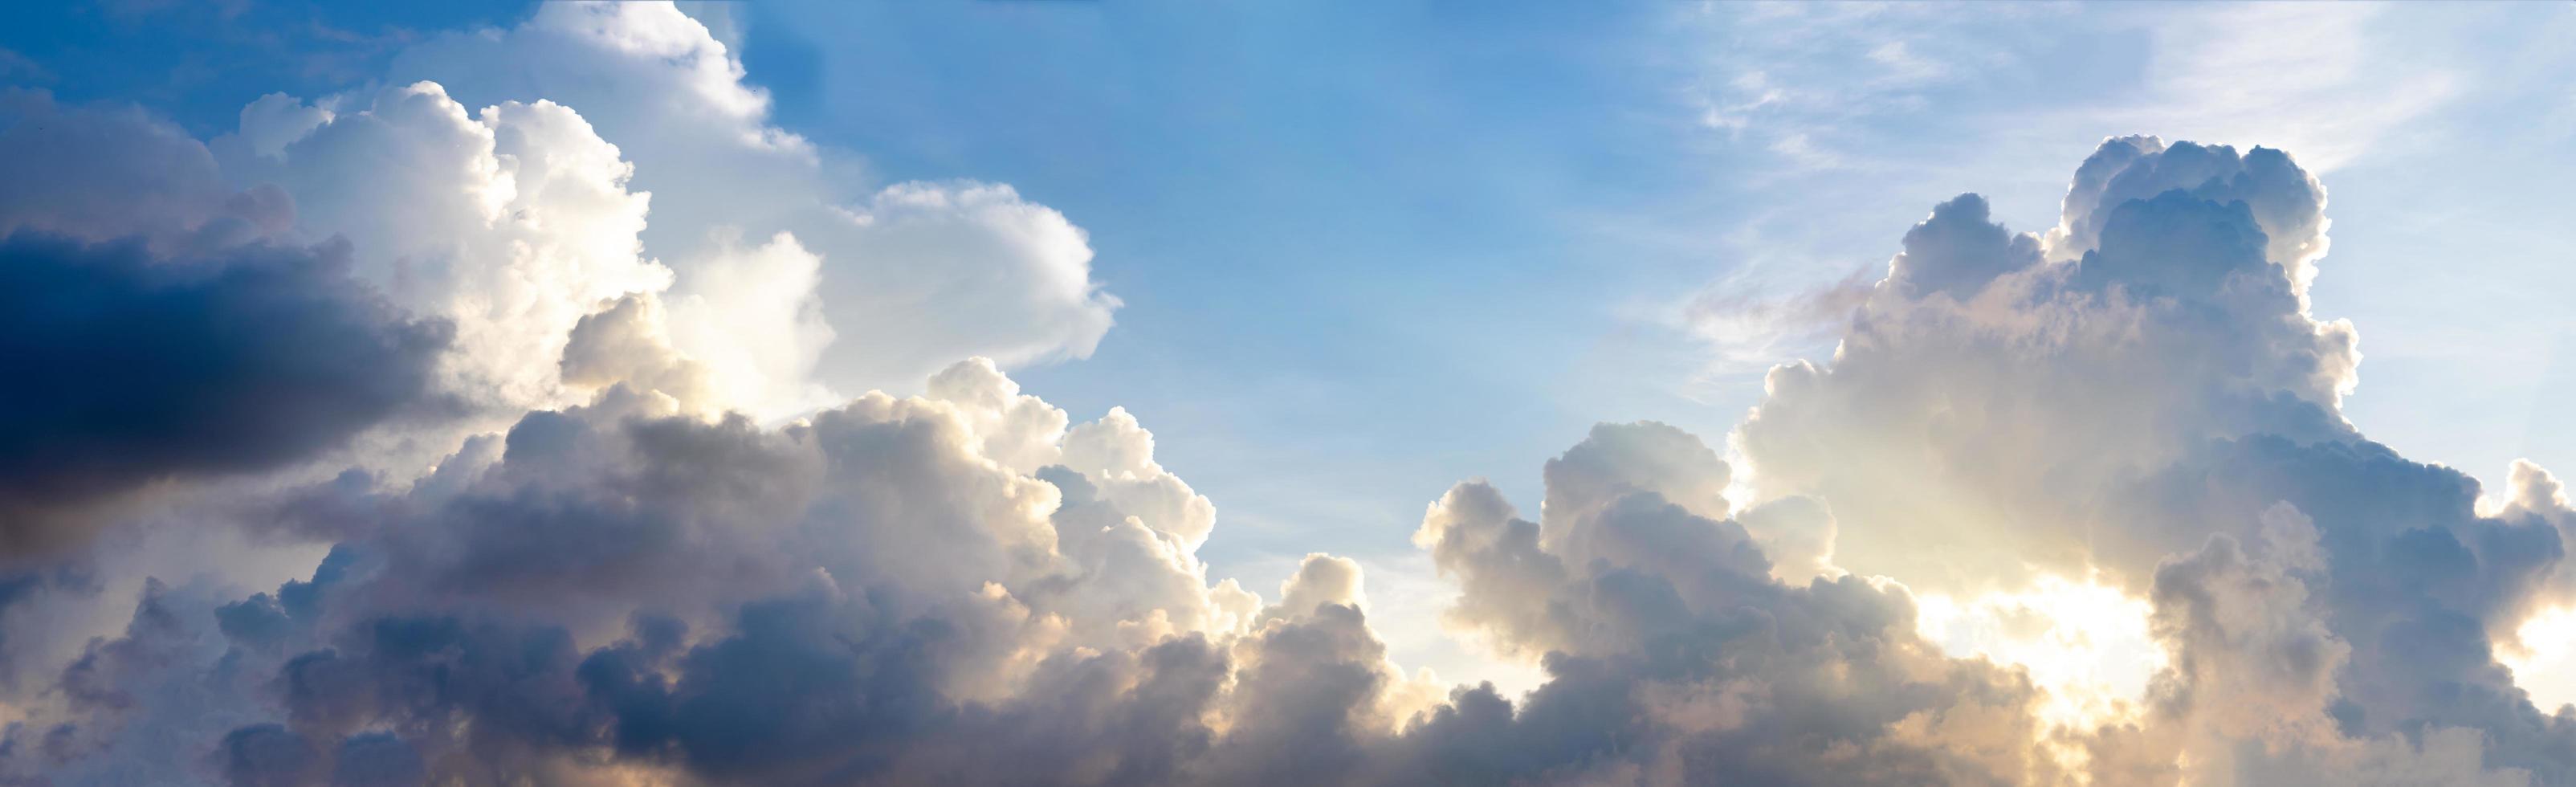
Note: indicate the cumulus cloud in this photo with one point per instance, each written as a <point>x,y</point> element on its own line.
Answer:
<point>641,586</point>
<point>890,590</point>
<point>503,180</point>
<point>967,585</point>
<point>909,276</point>
<point>621,583</point>
<point>1673,654</point>
<point>2104,397</point>
<point>512,222</point>
<point>665,543</point>
<point>1988,395</point>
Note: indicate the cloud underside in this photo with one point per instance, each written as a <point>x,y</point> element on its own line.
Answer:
<point>603,503</point>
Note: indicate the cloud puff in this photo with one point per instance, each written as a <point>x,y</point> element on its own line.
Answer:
<point>512,222</point>
<point>1672,654</point>
<point>909,276</point>
<point>1988,395</point>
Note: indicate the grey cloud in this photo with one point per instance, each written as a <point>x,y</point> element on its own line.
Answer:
<point>1672,651</point>
<point>761,618</point>
<point>1302,706</point>
<point>131,369</point>
<point>1958,250</point>
<point>863,595</point>
<point>2414,582</point>
<point>105,172</point>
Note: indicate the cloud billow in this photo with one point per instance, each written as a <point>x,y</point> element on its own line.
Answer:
<point>2149,382</point>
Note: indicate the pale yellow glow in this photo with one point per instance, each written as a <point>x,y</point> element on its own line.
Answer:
<point>2083,642</point>
<point>2545,662</point>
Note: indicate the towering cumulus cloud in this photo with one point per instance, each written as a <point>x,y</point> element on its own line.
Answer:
<point>574,498</point>
<point>2142,393</point>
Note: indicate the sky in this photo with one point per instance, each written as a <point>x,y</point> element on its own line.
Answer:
<point>552,330</point>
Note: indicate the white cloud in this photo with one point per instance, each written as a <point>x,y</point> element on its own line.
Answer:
<point>913,275</point>
<point>751,315</point>
<point>513,222</point>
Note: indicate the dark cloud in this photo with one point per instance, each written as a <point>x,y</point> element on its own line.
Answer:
<point>128,369</point>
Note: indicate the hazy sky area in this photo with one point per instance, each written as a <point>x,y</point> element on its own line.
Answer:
<point>1342,261</point>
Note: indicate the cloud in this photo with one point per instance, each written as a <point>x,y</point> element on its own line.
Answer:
<point>503,182</point>
<point>2151,379</point>
<point>893,589</point>
<point>1751,329</point>
<point>968,586</point>
<point>868,576</point>
<point>911,275</point>
<point>130,369</point>
<point>512,222</point>
<point>2172,324</point>
<point>668,545</point>
<point>100,173</point>
<point>1671,649</point>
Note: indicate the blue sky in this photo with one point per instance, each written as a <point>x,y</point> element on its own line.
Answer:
<point>1367,250</point>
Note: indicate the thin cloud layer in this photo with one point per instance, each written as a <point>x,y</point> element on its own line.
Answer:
<point>651,538</point>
